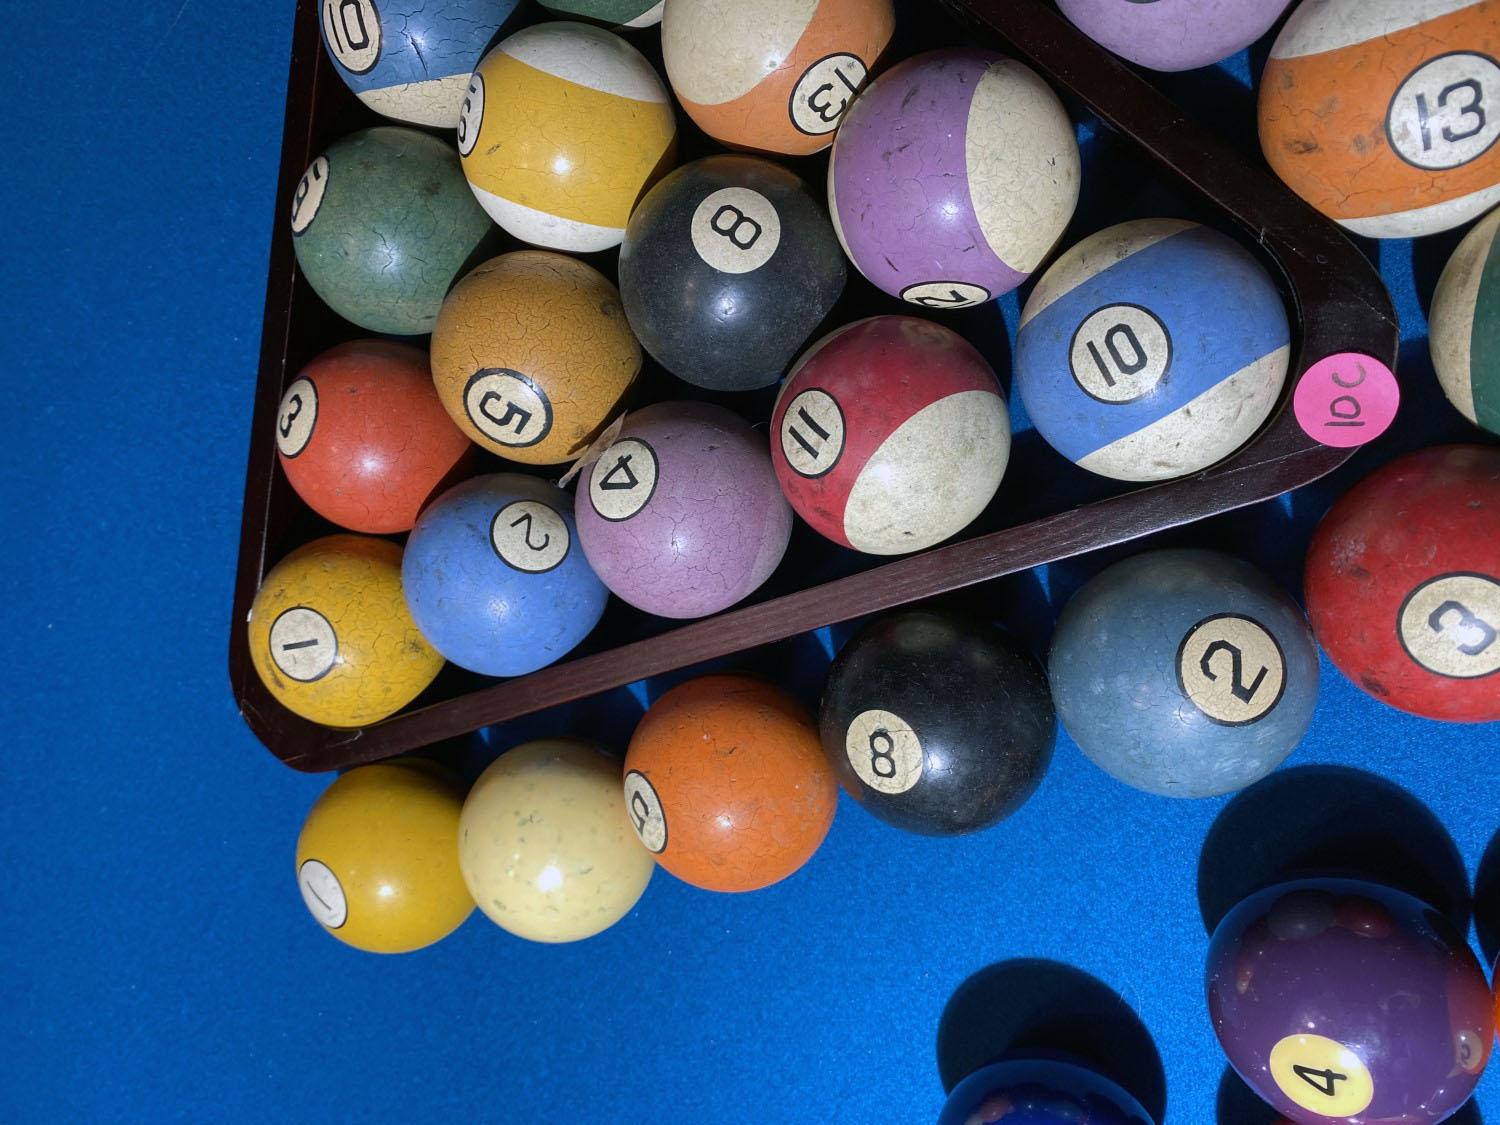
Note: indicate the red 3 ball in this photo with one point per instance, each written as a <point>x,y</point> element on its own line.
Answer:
<point>364,438</point>
<point>1403,583</point>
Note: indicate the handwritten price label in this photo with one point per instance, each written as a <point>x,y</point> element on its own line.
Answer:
<point>1346,400</point>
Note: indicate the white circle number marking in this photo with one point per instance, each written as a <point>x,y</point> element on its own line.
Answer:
<point>623,480</point>
<point>1231,668</point>
<point>296,417</point>
<point>884,751</point>
<point>322,893</point>
<point>471,115</point>
<point>507,407</point>
<point>1120,353</point>
<point>736,230</point>
<point>303,644</point>
<point>945,294</point>
<point>646,814</point>
<point>812,433</point>
<point>309,197</point>
<point>352,30</point>
<point>1447,112</point>
<point>529,536</point>
<point>1451,625</point>
<point>824,92</point>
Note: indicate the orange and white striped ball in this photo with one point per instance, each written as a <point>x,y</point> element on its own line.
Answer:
<point>1385,114</point>
<point>564,127</point>
<point>772,75</point>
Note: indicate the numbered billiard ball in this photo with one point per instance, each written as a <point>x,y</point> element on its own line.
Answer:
<point>1174,34</point>
<point>410,59</point>
<point>1184,673</point>
<point>1339,1000</point>
<point>494,576</point>
<point>1385,116</point>
<point>564,125</point>
<point>381,225</point>
<point>1465,332</point>
<point>614,13</point>
<point>726,785</point>
<point>545,845</point>
<point>728,266</point>
<point>890,435</point>
<point>331,637</point>
<point>953,177</point>
<point>1128,367</point>
<point>773,75</point>
<point>1403,583</point>
<point>1040,1091</point>
<point>532,356</point>
<point>377,860</point>
<point>681,515</point>
<point>935,723</point>
<point>363,438</point>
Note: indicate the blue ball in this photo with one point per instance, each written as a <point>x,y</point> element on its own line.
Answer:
<point>1152,350</point>
<point>411,59</point>
<point>1040,1092</point>
<point>1184,673</point>
<point>494,576</point>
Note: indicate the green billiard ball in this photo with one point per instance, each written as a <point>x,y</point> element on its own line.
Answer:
<point>1465,334</point>
<point>614,13</point>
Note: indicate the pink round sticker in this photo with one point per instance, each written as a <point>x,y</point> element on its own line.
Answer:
<point>1346,400</point>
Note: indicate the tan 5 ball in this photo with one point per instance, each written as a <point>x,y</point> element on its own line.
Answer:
<point>377,861</point>
<point>532,356</point>
<point>545,845</point>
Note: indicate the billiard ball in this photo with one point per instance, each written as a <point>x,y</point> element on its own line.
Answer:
<point>410,59</point>
<point>1126,364</point>
<point>683,517</point>
<point>773,75</point>
<point>1174,34</point>
<point>381,225</point>
<point>890,435</point>
<point>615,13</point>
<point>1185,673</point>
<point>726,785</point>
<point>545,846</point>
<point>1348,1001</point>
<point>363,438</point>
<point>1465,326</point>
<point>331,637</point>
<point>936,723</point>
<point>1040,1091</point>
<point>1384,116</point>
<point>532,356</point>
<point>494,578</point>
<point>953,177</point>
<point>563,127</point>
<point>728,266</point>
<point>377,860</point>
<point>1403,583</point>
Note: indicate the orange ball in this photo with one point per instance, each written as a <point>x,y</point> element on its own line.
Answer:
<point>726,783</point>
<point>364,438</point>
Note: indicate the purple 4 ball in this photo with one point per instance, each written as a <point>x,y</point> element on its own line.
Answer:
<point>1173,34</point>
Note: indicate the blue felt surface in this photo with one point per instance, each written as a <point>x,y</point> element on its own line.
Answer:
<point>157,963</point>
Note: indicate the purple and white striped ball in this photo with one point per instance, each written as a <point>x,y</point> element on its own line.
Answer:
<point>953,177</point>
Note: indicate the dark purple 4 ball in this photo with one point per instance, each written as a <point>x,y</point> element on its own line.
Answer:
<point>1344,1001</point>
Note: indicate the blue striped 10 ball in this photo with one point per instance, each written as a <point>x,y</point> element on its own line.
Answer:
<point>1152,350</point>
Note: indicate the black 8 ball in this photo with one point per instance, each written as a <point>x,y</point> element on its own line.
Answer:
<point>728,265</point>
<point>937,724</point>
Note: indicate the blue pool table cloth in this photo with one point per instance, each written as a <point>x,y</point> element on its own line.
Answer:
<point>158,964</point>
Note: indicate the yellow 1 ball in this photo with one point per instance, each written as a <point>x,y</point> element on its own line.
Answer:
<point>377,861</point>
<point>545,845</point>
<point>331,636</point>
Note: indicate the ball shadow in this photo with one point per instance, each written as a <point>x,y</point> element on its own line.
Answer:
<point>1487,901</point>
<point>1329,821</point>
<point>1237,1104</point>
<point>1033,1005</point>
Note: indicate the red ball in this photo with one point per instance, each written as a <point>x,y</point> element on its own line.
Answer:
<point>364,438</point>
<point>1403,583</point>
<point>890,435</point>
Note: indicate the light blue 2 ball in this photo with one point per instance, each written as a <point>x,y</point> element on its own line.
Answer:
<point>495,578</point>
<point>1184,673</point>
